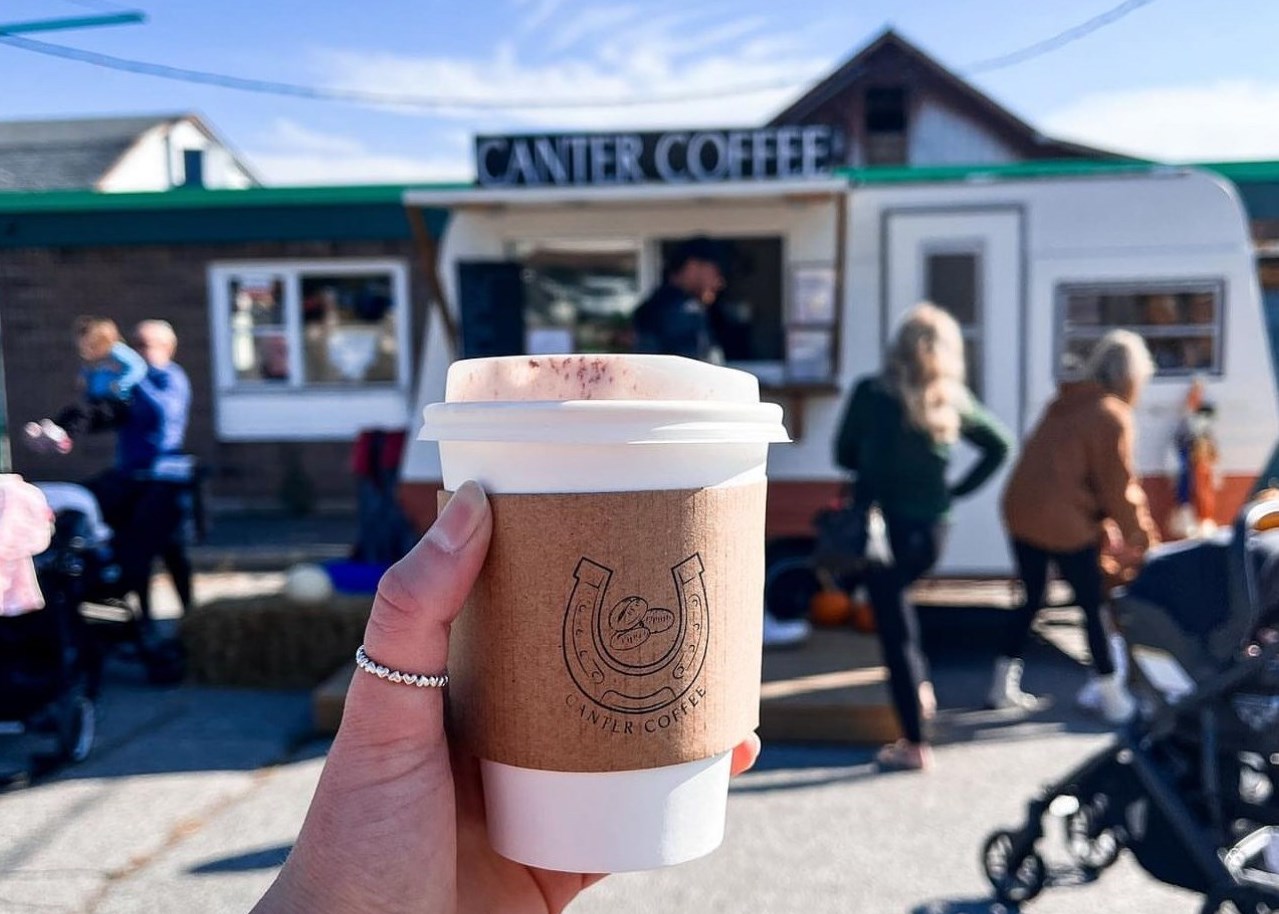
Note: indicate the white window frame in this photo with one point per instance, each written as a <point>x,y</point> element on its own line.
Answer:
<point>1217,285</point>
<point>297,408</point>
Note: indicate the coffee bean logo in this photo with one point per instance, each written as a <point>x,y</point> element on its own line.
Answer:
<point>636,658</point>
<point>627,613</point>
<point>633,622</point>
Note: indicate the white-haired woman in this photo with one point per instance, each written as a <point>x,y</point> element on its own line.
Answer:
<point>1073,481</point>
<point>896,437</point>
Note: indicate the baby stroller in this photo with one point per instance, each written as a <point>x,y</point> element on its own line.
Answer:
<point>1189,786</point>
<point>50,666</point>
<point>101,588</point>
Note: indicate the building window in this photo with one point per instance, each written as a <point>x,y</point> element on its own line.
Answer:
<point>952,280</point>
<point>334,330</point>
<point>886,125</point>
<point>578,294</point>
<point>1181,323</point>
<point>193,168</point>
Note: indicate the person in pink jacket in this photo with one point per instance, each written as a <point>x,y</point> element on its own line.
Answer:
<point>26,525</point>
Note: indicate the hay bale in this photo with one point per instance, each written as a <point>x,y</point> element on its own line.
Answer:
<point>269,642</point>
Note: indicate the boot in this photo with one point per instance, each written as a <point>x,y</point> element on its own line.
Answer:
<point>1005,688</point>
<point>1117,704</point>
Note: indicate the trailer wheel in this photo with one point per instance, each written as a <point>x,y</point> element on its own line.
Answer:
<point>1016,878</point>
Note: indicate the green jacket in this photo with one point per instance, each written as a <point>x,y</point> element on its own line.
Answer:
<point>900,467</point>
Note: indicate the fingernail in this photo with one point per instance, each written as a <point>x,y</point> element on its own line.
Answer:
<point>460,518</point>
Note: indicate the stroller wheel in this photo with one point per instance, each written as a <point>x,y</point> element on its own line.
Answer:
<point>1015,876</point>
<point>77,722</point>
<point>1092,848</point>
<point>1235,901</point>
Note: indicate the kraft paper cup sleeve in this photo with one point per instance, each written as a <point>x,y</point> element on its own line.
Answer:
<point>613,631</point>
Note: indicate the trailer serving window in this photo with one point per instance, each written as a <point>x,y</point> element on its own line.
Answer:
<point>1181,322</point>
<point>578,293</point>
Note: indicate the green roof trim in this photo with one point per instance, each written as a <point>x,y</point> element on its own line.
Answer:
<point>184,199</point>
<point>1063,168</point>
<point>1245,172</point>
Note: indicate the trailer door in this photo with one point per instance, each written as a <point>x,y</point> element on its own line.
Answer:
<point>970,262</point>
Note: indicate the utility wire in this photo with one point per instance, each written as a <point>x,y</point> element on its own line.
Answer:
<point>411,100</point>
<point>1074,33</point>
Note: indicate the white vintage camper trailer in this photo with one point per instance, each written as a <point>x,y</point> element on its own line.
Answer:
<point>1035,261</point>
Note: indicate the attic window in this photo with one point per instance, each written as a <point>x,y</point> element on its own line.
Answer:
<point>886,125</point>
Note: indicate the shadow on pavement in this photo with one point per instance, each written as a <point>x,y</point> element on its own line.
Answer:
<point>267,858</point>
<point>819,765</point>
<point>966,906</point>
<point>147,730</point>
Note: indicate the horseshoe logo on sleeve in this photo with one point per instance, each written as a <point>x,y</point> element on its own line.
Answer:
<point>632,656</point>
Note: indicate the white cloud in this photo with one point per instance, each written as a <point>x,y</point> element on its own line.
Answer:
<point>293,154</point>
<point>661,57</point>
<point>1233,119</point>
<point>539,12</point>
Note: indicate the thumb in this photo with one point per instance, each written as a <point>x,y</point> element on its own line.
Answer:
<point>417,600</point>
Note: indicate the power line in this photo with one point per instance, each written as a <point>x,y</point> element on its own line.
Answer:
<point>410,100</point>
<point>296,90</point>
<point>1074,33</point>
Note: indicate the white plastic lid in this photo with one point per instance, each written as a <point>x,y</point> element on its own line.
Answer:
<point>601,399</point>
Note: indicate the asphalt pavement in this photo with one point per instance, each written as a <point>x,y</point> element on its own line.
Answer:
<point>193,798</point>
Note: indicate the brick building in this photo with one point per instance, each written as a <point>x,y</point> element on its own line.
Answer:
<point>313,298</point>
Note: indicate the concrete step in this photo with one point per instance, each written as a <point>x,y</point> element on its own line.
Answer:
<point>833,689</point>
<point>328,700</point>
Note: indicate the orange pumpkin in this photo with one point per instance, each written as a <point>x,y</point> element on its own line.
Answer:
<point>830,607</point>
<point>862,616</point>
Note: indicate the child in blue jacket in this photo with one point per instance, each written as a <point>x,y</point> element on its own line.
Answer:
<point>109,372</point>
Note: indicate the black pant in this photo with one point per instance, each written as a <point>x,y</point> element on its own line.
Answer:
<point>916,545</point>
<point>1082,571</point>
<point>146,515</point>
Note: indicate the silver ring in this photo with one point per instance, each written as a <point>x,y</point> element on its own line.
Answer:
<point>421,680</point>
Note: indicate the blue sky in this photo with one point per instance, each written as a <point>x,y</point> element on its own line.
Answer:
<point>1175,79</point>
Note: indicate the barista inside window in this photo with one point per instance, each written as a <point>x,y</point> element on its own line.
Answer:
<point>673,319</point>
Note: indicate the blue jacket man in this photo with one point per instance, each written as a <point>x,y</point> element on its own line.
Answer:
<point>673,320</point>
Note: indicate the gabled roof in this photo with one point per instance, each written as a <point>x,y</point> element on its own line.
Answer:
<point>76,153</point>
<point>997,115</point>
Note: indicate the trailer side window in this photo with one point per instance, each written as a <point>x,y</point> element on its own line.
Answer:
<point>1181,323</point>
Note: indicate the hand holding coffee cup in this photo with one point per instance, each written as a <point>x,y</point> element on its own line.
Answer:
<point>609,658</point>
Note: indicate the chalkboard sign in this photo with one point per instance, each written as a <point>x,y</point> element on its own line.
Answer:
<point>491,302</point>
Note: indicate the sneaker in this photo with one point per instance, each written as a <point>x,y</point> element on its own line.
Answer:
<point>1005,688</point>
<point>1117,704</point>
<point>785,632</point>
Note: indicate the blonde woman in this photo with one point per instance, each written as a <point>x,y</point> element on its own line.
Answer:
<point>1073,489</point>
<point>897,436</point>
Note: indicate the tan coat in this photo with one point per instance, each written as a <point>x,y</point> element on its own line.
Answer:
<point>1074,472</point>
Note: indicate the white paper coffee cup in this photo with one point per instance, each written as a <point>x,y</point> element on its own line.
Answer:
<point>597,424</point>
